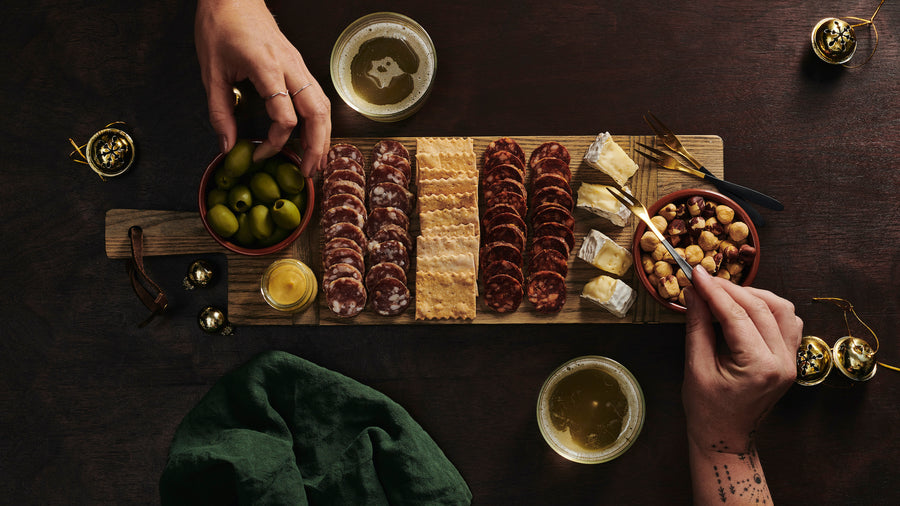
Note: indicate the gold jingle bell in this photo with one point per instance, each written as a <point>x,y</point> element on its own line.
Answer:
<point>814,361</point>
<point>212,320</point>
<point>109,152</point>
<point>855,358</point>
<point>199,275</point>
<point>834,41</point>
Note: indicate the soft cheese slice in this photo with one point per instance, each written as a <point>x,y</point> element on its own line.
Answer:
<point>611,294</point>
<point>604,254</point>
<point>595,198</point>
<point>607,156</point>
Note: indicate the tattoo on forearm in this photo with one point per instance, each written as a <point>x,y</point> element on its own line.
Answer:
<point>748,489</point>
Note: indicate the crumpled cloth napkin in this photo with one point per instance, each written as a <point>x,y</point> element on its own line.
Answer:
<point>281,430</point>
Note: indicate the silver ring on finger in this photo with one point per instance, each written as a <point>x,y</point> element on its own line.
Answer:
<point>307,85</point>
<point>277,93</point>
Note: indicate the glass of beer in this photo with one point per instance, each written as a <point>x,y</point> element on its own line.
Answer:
<point>590,409</point>
<point>383,66</point>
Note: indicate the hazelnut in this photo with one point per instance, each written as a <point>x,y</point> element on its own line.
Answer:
<point>668,287</point>
<point>681,298</point>
<point>662,269</point>
<point>675,240</point>
<point>681,211</point>
<point>682,278</point>
<point>647,263</point>
<point>730,253</point>
<point>649,241</point>
<point>659,222</point>
<point>724,274</point>
<point>693,254</point>
<point>709,264</point>
<point>680,252</point>
<point>738,231</point>
<point>676,227</point>
<point>695,205</point>
<point>707,241</point>
<point>653,279</point>
<point>734,267</point>
<point>724,214</point>
<point>696,225</point>
<point>668,212</point>
<point>661,253</point>
<point>747,253</point>
<point>709,209</point>
<point>713,225</point>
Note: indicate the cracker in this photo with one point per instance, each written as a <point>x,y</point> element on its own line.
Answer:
<point>442,295</point>
<point>462,163</point>
<point>441,217</point>
<point>443,144</point>
<point>462,264</point>
<point>432,172</point>
<point>447,186</point>
<point>466,230</point>
<point>433,202</point>
<point>435,245</point>
<point>428,160</point>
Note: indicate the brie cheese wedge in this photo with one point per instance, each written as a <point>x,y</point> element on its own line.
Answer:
<point>611,294</point>
<point>596,199</point>
<point>608,157</point>
<point>604,254</point>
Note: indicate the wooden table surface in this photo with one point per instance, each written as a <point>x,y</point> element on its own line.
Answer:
<point>89,401</point>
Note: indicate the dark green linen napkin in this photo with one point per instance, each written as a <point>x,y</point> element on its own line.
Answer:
<point>281,430</point>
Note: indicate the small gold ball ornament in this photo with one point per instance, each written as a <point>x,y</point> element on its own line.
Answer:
<point>814,361</point>
<point>855,358</point>
<point>213,320</point>
<point>834,41</point>
<point>200,275</point>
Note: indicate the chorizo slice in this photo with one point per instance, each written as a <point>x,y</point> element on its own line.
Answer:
<point>551,149</point>
<point>504,158</point>
<point>383,270</point>
<point>503,293</point>
<point>555,230</point>
<point>499,250</point>
<point>547,291</point>
<point>506,232</point>
<point>549,260</point>
<point>389,296</point>
<point>349,231</point>
<point>346,297</point>
<point>345,200</point>
<point>552,212</point>
<point>507,144</point>
<point>553,194</point>
<point>389,147</point>
<point>346,151</point>
<point>552,166</point>
<point>503,267</point>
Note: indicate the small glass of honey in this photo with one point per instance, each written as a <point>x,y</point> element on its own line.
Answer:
<point>590,409</point>
<point>289,285</point>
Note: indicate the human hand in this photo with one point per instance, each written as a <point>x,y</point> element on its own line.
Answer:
<point>239,39</point>
<point>729,389</point>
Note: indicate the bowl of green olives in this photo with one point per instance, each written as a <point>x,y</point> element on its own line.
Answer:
<point>255,208</point>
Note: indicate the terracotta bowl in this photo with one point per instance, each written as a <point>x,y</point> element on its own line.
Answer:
<point>682,196</point>
<point>205,184</point>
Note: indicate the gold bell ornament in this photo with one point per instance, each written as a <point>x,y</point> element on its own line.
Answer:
<point>213,321</point>
<point>834,40</point>
<point>200,275</point>
<point>109,152</point>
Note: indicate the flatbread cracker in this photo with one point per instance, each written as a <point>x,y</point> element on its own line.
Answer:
<point>462,264</point>
<point>465,230</point>
<point>462,163</point>
<point>433,202</point>
<point>441,217</point>
<point>444,144</point>
<point>447,186</point>
<point>442,295</point>
<point>436,245</point>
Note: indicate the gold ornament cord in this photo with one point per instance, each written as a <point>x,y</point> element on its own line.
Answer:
<point>864,22</point>
<point>846,306</point>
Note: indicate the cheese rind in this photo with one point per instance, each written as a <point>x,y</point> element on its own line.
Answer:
<point>596,199</point>
<point>611,294</point>
<point>608,157</point>
<point>605,254</point>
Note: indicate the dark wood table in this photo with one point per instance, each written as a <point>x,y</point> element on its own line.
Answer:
<point>89,401</point>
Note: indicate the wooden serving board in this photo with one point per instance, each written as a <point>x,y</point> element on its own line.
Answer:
<point>182,233</point>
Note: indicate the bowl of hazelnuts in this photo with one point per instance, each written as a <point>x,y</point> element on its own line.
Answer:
<point>709,230</point>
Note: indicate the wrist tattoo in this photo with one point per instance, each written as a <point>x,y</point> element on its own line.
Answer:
<point>752,489</point>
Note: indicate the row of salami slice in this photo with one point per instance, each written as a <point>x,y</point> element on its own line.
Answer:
<point>503,225</point>
<point>552,223</point>
<point>365,220</point>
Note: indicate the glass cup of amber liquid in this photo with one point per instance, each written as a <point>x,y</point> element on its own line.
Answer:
<point>590,409</point>
<point>383,66</point>
<point>288,285</point>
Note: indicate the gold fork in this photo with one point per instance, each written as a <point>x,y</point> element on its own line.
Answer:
<point>638,209</point>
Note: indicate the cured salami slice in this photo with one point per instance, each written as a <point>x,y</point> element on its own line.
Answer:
<point>504,144</point>
<point>349,231</point>
<point>550,149</point>
<point>344,175</point>
<point>381,216</point>
<point>392,233</point>
<point>549,260</point>
<point>344,256</point>
<point>346,297</point>
<point>389,251</point>
<point>340,270</point>
<point>343,163</point>
<point>343,187</point>
<point>553,194</point>
<point>511,198</point>
<point>494,210</point>
<point>547,291</point>
<point>550,242</point>
<point>491,252</point>
<point>390,147</point>
<point>341,242</point>
<point>504,158</point>
<point>394,161</point>
<point>390,195</point>
<point>550,179</point>
<point>552,212</point>
<point>388,174</point>
<point>345,200</point>
<point>552,166</point>
<point>504,185</point>
<point>499,172</point>
<point>556,230</point>
<point>506,232</point>
<point>384,270</point>
<point>342,214</point>
<point>346,151</point>
<point>390,297</point>
<point>503,293</point>
<point>503,267</point>
<point>511,218</point>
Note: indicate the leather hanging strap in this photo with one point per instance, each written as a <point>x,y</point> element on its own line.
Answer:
<point>140,280</point>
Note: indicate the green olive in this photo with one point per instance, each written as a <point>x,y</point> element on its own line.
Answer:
<point>285,214</point>
<point>289,178</point>
<point>270,166</point>
<point>222,220</point>
<point>239,159</point>
<point>277,236</point>
<point>216,196</point>
<point>261,224</point>
<point>240,199</point>
<point>264,188</point>
<point>299,200</point>
<point>223,180</point>
<point>244,236</point>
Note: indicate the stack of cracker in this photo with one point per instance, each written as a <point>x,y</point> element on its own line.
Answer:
<point>447,247</point>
